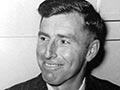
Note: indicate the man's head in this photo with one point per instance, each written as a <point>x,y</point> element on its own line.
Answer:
<point>70,35</point>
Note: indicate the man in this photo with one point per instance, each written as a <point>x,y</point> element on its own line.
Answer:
<point>71,34</point>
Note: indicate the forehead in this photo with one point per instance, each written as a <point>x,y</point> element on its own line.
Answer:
<point>65,24</point>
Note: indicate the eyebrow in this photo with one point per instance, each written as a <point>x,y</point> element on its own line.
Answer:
<point>69,36</point>
<point>42,33</point>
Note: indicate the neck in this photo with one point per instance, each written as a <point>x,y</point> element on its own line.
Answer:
<point>73,83</point>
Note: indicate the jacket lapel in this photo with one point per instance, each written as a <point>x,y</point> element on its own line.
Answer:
<point>92,83</point>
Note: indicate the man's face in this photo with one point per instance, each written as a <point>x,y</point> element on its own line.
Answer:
<point>61,48</point>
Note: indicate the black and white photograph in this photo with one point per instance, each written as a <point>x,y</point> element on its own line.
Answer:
<point>59,45</point>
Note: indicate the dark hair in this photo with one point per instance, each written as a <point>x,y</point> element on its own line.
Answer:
<point>93,21</point>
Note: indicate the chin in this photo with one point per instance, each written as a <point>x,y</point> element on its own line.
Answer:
<point>52,80</point>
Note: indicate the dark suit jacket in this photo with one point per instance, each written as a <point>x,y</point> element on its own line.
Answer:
<point>92,83</point>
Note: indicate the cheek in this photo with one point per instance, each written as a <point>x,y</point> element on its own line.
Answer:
<point>73,61</point>
<point>70,55</point>
<point>40,53</point>
<point>73,56</point>
<point>40,49</point>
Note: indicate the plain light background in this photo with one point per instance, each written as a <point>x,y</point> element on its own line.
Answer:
<point>19,24</point>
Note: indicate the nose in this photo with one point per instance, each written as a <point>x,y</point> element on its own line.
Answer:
<point>51,51</point>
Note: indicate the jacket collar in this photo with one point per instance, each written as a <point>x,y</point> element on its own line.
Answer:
<point>90,83</point>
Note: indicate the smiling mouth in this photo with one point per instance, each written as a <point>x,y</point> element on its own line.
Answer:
<point>52,66</point>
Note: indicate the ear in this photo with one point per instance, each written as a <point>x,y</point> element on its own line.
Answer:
<point>92,50</point>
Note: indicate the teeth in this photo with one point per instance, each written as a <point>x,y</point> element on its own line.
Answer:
<point>52,65</point>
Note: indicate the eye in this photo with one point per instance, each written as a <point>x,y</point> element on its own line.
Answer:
<point>63,41</point>
<point>43,38</point>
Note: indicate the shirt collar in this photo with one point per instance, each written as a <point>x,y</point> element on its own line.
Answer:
<point>82,87</point>
<point>49,87</point>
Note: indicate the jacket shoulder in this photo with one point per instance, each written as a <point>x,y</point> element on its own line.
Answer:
<point>36,83</point>
<point>100,84</point>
